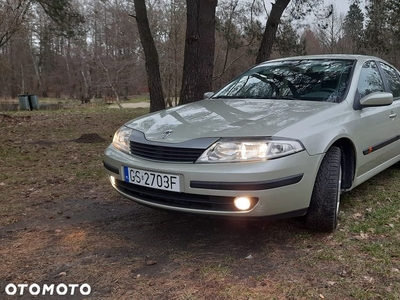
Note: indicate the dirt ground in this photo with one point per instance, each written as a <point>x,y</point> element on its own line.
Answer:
<point>61,222</point>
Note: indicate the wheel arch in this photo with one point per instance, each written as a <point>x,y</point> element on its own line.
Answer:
<point>348,161</point>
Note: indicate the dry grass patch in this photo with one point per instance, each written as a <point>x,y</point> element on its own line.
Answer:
<point>60,221</point>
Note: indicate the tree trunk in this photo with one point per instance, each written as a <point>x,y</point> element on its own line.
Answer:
<point>39,75</point>
<point>271,28</point>
<point>151,57</point>
<point>198,62</point>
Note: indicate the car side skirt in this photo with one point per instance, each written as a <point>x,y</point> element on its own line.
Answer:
<point>364,177</point>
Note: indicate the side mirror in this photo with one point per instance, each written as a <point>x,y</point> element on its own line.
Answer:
<point>208,95</point>
<point>377,99</point>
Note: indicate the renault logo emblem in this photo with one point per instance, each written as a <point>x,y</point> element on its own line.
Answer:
<point>166,134</point>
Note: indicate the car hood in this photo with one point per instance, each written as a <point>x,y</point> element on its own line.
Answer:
<point>225,118</point>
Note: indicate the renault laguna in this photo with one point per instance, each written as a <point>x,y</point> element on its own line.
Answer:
<point>283,139</point>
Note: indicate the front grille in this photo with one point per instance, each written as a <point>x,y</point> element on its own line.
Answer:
<point>165,153</point>
<point>183,200</point>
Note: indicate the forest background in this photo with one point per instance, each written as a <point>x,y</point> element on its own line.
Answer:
<point>86,49</point>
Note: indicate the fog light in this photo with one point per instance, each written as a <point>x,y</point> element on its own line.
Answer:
<point>112,180</point>
<point>242,203</point>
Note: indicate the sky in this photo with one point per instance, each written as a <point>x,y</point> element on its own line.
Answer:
<point>341,5</point>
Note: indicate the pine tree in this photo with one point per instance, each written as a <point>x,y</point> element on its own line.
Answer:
<point>354,29</point>
<point>288,40</point>
<point>377,33</point>
<point>393,7</point>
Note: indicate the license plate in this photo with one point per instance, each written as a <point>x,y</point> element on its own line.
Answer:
<point>161,181</point>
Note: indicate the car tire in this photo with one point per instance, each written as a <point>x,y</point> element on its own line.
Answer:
<point>322,214</point>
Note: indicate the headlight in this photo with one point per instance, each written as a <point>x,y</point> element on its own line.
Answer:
<point>233,150</point>
<point>121,138</point>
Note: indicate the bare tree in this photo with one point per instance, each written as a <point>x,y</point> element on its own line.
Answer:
<point>330,32</point>
<point>151,55</point>
<point>271,28</point>
<point>199,50</point>
<point>12,16</point>
<point>112,82</point>
<point>298,9</point>
<point>311,43</point>
<point>16,69</point>
<point>238,33</point>
<point>174,51</point>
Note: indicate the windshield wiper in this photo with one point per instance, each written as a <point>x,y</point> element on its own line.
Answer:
<point>226,97</point>
<point>254,97</point>
<point>284,98</point>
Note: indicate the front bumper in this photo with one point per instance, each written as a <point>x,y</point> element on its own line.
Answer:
<point>278,187</point>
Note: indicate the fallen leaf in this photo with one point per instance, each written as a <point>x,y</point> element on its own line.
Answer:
<point>362,236</point>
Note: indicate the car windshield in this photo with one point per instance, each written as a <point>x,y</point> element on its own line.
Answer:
<point>312,79</point>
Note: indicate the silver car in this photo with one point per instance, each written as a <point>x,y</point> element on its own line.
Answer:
<point>283,139</point>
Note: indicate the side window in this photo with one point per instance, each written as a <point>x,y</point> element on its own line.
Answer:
<point>370,79</point>
<point>393,79</point>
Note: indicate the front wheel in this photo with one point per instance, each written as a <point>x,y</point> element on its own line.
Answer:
<point>325,200</point>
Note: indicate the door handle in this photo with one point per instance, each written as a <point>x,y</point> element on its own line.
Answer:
<point>393,115</point>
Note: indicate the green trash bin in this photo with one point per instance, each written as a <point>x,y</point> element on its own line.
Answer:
<point>24,102</point>
<point>33,102</point>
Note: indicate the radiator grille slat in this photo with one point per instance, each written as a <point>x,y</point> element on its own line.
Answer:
<point>165,153</point>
